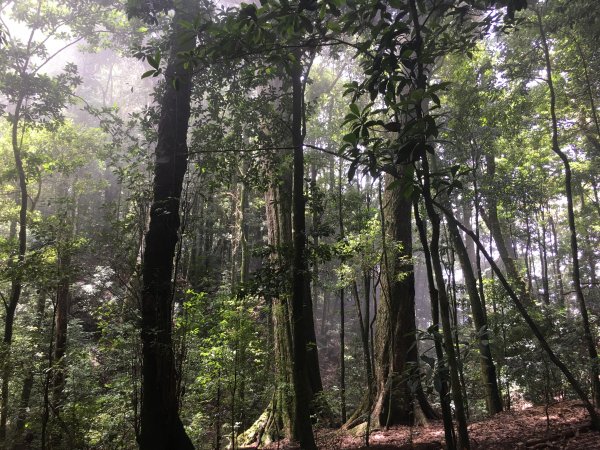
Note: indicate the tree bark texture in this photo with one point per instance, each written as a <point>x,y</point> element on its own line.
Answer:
<point>301,308</point>
<point>395,329</point>
<point>60,326</point>
<point>279,228</point>
<point>161,427</point>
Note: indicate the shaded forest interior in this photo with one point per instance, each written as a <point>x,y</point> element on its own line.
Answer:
<point>299,224</point>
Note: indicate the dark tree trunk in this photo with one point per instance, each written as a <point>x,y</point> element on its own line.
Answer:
<point>342,309</point>
<point>442,371</point>
<point>281,416</point>
<point>488,369</point>
<point>161,427</point>
<point>244,231</point>
<point>63,299</point>
<point>60,326</point>
<point>279,227</point>
<point>463,436</point>
<point>313,355</point>
<point>29,379</point>
<point>543,246</point>
<point>61,320</point>
<point>301,308</point>
<point>17,278</point>
<point>588,250</point>
<point>556,262</point>
<point>363,323</point>
<point>529,262</point>
<point>16,285</point>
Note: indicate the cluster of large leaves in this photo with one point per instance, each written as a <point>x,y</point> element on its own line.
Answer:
<point>400,122</point>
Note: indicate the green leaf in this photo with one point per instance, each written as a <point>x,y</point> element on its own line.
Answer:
<point>148,73</point>
<point>393,127</point>
<point>153,61</point>
<point>334,26</point>
<point>350,138</point>
<point>352,170</point>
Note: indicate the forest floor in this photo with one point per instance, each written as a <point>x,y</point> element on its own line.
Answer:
<point>563,425</point>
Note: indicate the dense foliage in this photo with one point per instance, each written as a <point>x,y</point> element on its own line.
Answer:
<point>363,212</point>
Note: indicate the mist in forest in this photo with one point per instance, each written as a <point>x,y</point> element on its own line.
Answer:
<point>299,224</point>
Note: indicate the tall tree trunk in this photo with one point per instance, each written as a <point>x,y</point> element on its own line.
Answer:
<point>17,278</point>
<point>476,204</point>
<point>315,225</point>
<point>244,229</point>
<point>63,298</point>
<point>342,309</point>
<point>588,250</point>
<point>28,382</point>
<point>457,396</point>
<point>279,228</point>
<point>301,308</point>
<point>493,223</point>
<point>60,330</point>
<point>488,369</point>
<point>161,427</point>
<point>543,248</point>
<point>529,262</point>
<point>441,373</point>
<point>556,262</point>
<point>286,194</point>
<point>395,343</point>
<point>589,339</point>
<point>363,323</point>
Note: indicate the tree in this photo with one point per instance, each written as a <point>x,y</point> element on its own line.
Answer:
<point>587,333</point>
<point>160,425</point>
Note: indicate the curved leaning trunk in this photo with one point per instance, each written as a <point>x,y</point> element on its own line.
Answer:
<point>160,425</point>
<point>492,220</point>
<point>588,336</point>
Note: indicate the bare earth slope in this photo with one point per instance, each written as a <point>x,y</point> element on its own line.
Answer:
<point>562,425</point>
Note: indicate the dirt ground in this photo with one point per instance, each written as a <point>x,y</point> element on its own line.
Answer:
<point>563,426</point>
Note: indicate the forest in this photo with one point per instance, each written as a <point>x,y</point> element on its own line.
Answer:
<point>299,224</point>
